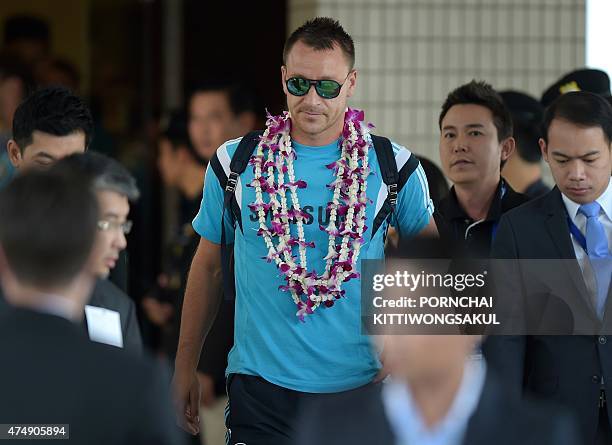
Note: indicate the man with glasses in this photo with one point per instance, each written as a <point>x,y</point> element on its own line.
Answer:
<point>99,394</point>
<point>277,361</point>
<point>110,316</point>
<point>49,124</point>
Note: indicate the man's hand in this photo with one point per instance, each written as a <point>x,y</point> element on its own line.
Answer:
<point>186,388</point>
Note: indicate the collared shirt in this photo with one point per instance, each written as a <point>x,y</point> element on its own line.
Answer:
<point>473,238</point>
<point>605,217</point>
<point>59,306</point>
<point>407,422</point>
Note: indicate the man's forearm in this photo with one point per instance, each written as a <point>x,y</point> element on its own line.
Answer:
<point>200,306</point>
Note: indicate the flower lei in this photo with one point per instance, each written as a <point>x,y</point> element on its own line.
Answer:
<point>274,174</point>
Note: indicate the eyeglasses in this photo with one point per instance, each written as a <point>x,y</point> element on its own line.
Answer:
<point>105,225</point>
<point>327,89</point>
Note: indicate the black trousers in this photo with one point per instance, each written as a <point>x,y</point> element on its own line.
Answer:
<point>261,413</point>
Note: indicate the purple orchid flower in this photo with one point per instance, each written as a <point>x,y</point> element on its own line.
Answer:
<point>355,115</point>
<point>277,228</point>
<point>304,309</point>
<point>351,276</point>
<point>261,232</point>
<point>332,165</point>
<point>255,160</point>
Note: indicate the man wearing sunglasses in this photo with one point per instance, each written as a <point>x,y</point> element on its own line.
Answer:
<point>277,361</point>
<point>110,316</point>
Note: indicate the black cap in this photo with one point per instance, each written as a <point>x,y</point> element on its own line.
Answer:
<point>593,81</point>
<point>522,106</point>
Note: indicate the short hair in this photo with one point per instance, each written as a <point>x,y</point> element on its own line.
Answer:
<point>481,93</point>
<point>581,108</point>
<point>322,33</point>
<point>241,99</point>
<point>53,110</point>
<point>26,27</point>
<point>527,135</point>
<point>48,225</point>
<point>104,172</point>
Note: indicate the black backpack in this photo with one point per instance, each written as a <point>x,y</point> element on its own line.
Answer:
<point>393,179</point>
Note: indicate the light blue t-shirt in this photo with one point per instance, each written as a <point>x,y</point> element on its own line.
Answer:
<point>327,353</point>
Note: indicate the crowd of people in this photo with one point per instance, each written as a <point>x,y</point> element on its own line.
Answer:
<point>252,331</point>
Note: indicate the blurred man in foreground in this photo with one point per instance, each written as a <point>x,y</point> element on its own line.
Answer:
<point>97,393</point>
<point>437,394</point>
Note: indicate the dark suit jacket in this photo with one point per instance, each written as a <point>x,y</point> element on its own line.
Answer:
<point>108,296</point>
<point>105,395</point>
<point>358,418</point>
<point>563,369</point>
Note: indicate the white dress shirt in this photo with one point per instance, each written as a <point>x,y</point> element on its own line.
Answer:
<point>407,422</point>
<point>57,305</point>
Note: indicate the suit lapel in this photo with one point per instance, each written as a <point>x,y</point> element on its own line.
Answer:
<point>556,223</point>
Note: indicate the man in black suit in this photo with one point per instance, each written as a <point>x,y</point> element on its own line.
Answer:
<point>475,142</point>
<point>110,315</point>
<point>49,124</point>
<point>572,223</point>
<point>437,394</point>
<point>100,394</point>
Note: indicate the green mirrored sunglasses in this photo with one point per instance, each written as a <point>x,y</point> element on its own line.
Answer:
<point>326,88</point>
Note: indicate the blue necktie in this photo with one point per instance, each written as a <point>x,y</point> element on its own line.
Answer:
<point>599,254</point>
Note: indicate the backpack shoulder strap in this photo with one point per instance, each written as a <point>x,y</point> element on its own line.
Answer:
<point>391,177</point>
<point>228,181</point>
<point>238,163</point>
<point>245,150</point>
<point>386,159</point>
<point>228,177</point>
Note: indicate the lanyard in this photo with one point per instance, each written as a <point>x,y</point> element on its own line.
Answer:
<point>496,223</point>
<point>577,234</point>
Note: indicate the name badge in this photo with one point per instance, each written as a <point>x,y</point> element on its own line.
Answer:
<point>104,326</point>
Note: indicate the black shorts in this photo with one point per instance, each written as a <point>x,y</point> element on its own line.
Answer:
<point>260,412</point>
